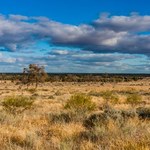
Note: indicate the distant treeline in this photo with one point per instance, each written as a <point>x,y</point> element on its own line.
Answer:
<point>77,77</point>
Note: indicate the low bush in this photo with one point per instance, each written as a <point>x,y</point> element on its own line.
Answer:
<point>17,104</point>
<point>80,103</point>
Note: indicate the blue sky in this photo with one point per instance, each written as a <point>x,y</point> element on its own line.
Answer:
<point>75,36</point>
<point>73,11</point>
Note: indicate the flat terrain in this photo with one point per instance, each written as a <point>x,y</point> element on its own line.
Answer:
<point>50,125</point>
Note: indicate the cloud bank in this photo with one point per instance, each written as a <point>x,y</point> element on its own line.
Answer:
<point>58,60</point>
<point>110,43</point>
<point>107,34</point>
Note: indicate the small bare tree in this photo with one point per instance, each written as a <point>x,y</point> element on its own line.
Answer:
<point>34,74</point>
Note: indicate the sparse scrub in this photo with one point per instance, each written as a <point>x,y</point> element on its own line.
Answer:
<point>77,122</point>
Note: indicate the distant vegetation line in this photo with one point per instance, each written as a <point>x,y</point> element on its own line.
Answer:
<point>80,77</point>
<point>35,73</point>
<point>67,73</point>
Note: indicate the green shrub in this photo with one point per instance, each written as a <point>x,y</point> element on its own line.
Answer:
<point>110,96</point>
<point>17,104</point>
<point>80,103</point>
<point>133,99</point>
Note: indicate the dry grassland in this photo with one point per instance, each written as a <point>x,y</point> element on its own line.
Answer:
<point>104,117</point>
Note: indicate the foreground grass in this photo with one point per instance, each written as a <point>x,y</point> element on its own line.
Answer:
<point>74,121</point>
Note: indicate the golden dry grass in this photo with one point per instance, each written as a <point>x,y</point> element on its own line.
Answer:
<point>34,130</point>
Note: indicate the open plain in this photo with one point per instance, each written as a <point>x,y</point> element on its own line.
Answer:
<point>75,116</point>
